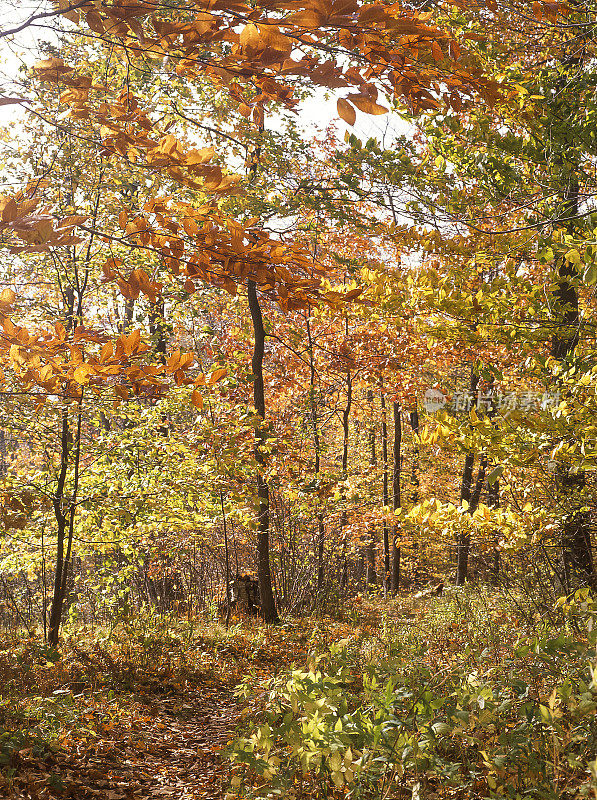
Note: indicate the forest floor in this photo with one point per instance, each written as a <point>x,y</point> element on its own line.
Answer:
<point>136,714</point>
<point>147,709</point>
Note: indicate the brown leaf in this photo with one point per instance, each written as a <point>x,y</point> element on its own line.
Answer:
<point>346,111</point>
<point>367,105</point>
<point>8,209</point>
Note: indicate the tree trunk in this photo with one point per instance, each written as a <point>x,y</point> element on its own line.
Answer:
<point>266,595</point>
<point>579,568</point>
<point>65,520</point>
<point>464,542</point>
<point>317,449</point>
<point>371,574</point>
<point>344,513</point>
<point>386,494</point>
<point>126,323</point>
<point>157,329</point>
<point>493,501</point>
<point>415,484</point>
<point>396,496</point>
<point>575,530</point>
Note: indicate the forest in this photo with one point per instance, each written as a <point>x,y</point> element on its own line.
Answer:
<point>298,399</point>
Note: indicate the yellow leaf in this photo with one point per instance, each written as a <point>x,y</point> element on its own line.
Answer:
<point>107,352</point>
<point>81,374</point>
<point>194,157</point>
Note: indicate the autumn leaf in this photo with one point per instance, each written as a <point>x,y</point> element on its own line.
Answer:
<point>7,297</point>
<point>346,111</point>
<point>8,209</point>
<point>367,105</point>
<point>197,399</point>
<point>217,375</point>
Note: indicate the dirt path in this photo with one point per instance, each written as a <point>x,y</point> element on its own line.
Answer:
<point>170,747</point>
<point>186,761</point>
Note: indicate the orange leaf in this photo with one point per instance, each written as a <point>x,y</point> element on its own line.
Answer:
<point>7,297</point>
<point>217,375</point>
<point>8,209</point>
<point>346,111</point>
<point>367,105</point>
<point>250,37</point>
<point>131,342</point>
<point>197,399</point>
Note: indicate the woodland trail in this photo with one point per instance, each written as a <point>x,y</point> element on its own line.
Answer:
<point>169,748</point>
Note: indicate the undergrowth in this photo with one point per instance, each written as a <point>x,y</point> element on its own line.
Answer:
<point>469,695</point>
<point>462,698</point>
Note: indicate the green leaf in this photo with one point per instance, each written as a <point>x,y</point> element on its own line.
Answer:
<point>495,474</point>
<point>590,274</point>
<point>573,256</point>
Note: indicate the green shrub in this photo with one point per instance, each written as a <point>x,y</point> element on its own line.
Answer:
<point>525,728</point>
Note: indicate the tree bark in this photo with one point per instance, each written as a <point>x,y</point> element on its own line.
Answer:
<point>396,496</point>
<point>577,554</point>
<point>386,494</point>
<point>579,568</point>
<point>414,473</point>
<point>464,540</point>
<point>266,595</point>
<point>65,520</point>
<point>415,484</point>
<point>370,550</point>
<point>344,513</point>
<point>317,449</point>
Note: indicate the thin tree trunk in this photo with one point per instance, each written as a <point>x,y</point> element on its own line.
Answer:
<point>157,329</point>
<point>370,551</point>
<point>415,484</point>
<point>64,521</point>
<point>396,496</point>
<point>58,504</point>
<point>386,494</point>
<point>463,540</point>
<point>126,323</point>
<point>493,501</point>
<point>414,473</point>
<point>317,449</point>
<point>266,595</point>
<point>344,513</point>
<point>227,559</point>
